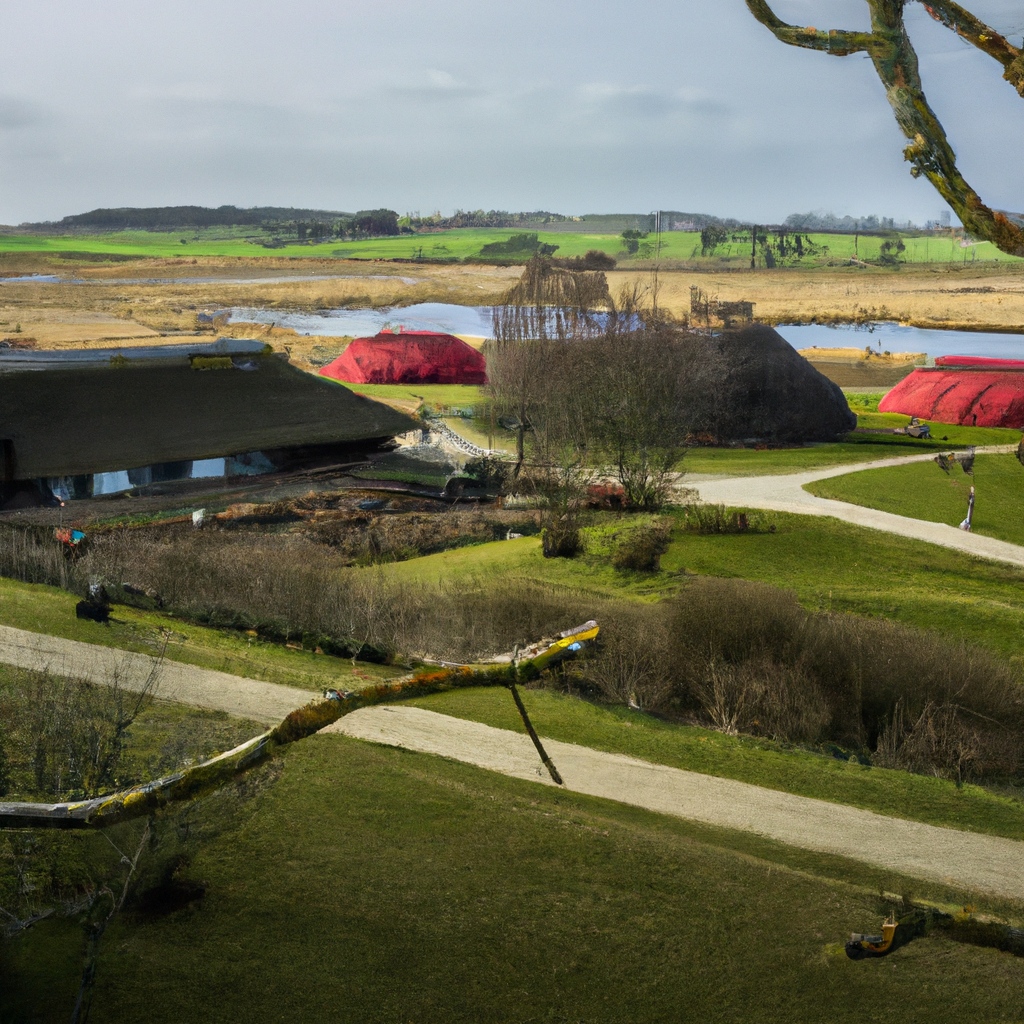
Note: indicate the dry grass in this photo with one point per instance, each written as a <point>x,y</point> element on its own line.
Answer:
<point>968,298</point>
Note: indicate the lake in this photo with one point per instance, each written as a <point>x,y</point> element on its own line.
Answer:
<point>474,321</point>
<point>897,338</point>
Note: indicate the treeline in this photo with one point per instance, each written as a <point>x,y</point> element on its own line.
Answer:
<point>481,219</point>
<point>174,218</point>
<point>302,224</point>
<point>819,221</point>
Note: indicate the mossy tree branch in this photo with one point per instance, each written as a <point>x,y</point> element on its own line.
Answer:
<point>895,60</point>
<point>978,34</point>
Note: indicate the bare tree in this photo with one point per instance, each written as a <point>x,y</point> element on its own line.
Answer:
<point>929,153</point>
<point>549,304</point>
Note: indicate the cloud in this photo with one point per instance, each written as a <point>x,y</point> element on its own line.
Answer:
<point>16,113</point>
<point>649,102</point>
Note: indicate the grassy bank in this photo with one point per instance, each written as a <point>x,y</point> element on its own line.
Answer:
<point>380,885</point>
<point>828,564</point>
<point>620,730</point>
<point>923,491</point>
<point>49,610</point>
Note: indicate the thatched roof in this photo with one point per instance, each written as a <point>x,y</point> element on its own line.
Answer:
<point>96,412</point>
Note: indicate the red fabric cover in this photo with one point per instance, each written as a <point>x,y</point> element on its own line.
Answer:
<point>971,397</point>
<point>409,357</point>
<point>979,361</point>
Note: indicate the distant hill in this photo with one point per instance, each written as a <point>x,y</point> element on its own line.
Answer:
<point>174,218</point>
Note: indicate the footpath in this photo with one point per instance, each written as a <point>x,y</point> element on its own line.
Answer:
<point>266,703</point>
<point>785,493</point>
<point>964,859</point>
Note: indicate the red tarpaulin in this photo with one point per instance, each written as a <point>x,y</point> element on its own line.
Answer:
<point>967,390</point>
<point>409,357</point>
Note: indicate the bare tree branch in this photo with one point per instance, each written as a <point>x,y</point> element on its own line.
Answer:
<point>978,34</point>
<point>895,60</point>
<point>840,44</point>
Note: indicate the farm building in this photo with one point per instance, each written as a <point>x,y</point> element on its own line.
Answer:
<point>153,411</point>
<point>967,390</point>
<point>408,357</point>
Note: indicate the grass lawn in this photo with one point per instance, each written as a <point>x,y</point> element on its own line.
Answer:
<point>828,564</point>
<point>945,435</point>
<point>751,462</point>
<point>746,759</point>
<point>855,448</point>
<point>376,885</point>
<point>923,491</point>
<point>833,565</point>
<point>462,396</point>
<point>50,610</point>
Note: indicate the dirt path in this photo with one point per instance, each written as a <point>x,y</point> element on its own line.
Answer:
<point>963,859</point>
<point>785,493</point>
<point>266,703</point>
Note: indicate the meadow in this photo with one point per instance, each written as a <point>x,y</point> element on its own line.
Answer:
<point>463,243</point>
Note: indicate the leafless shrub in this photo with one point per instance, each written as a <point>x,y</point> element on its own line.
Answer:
<point>78,730</point>
<point>633,664</point>
<point>640,550</point>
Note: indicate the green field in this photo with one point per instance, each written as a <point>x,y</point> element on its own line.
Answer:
<point>375,885</point>
<point>467,242</point>
<point>461,396</point>
<point>923,491</point>
<point>826,563</point>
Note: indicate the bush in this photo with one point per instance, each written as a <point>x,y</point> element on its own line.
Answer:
<point>641,548</point>
<point>700,517</point>
<point>561,537</point>
<point>745,657</point>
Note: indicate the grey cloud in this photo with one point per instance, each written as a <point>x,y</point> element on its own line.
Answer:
<point>16,112</point>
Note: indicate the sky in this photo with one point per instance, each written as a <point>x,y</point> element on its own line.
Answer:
<point>572,106</point>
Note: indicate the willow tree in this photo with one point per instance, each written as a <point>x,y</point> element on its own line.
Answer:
<point>929,152</point>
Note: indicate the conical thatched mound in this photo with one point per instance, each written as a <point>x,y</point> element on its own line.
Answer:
<point>760,387</point>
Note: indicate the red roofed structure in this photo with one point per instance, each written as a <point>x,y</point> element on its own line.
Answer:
<point>408,357</point>
<point>968,390</point>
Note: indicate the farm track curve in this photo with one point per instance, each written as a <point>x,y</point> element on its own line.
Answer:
<point>964,859</point>
<point>785,493</point>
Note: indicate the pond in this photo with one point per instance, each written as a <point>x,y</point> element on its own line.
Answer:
<point>445,317</point>
<point>897,338</point>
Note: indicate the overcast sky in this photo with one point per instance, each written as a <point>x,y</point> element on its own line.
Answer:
<point>574,106</point>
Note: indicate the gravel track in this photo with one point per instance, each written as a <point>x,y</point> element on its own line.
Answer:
<point>785,493</point>
<point>966,860</point>
<point>266,703</point>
